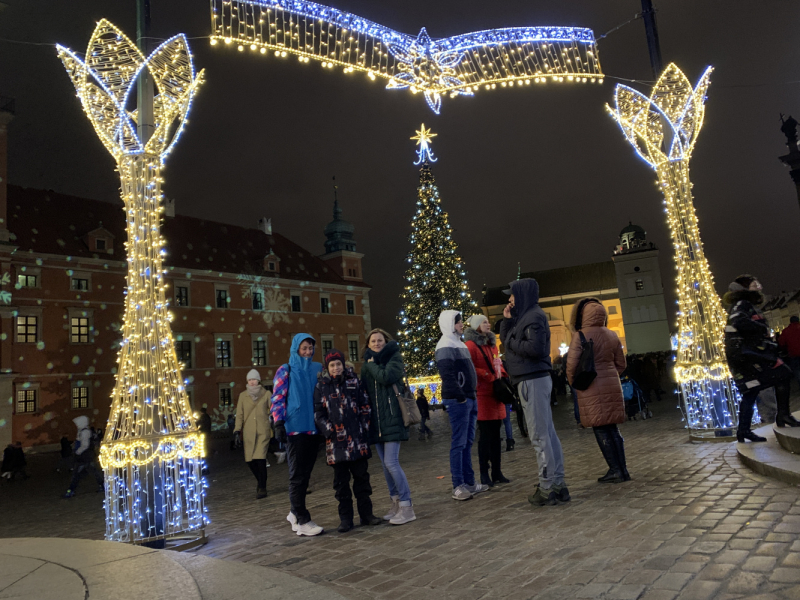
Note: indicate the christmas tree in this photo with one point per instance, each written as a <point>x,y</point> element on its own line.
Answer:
<point>436,278</point>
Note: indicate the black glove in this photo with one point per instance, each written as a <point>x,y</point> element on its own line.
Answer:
<point>279,430</point>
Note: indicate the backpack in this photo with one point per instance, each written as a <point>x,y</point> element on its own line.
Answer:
<point>585,373</point>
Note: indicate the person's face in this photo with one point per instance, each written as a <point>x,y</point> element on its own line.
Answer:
<point>252,382</point>
<point>511,300</point>
<point>377,342</point>
<point>459,327</point>
<point>306,349</point>
<point>335,368</point>
<point>484,327</point>
<point>755,286</point>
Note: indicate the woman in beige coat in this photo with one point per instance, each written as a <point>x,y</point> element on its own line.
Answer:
<point>601,405</point>
<point>253,429</point>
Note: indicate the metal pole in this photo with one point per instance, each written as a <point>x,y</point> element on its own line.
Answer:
<point>144,90</point>
<point>650,27</point>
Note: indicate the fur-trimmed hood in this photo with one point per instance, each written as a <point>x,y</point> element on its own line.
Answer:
<point>737,292</point>
<point>481,339</point>
<point>592,316</point>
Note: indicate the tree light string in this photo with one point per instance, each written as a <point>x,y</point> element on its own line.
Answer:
<point>663,130</point>
<point>152,452</point>
<point>454,66</point>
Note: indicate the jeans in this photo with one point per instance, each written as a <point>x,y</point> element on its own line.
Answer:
<point>489,448</point>
<point>746,410</point>
<point>507,423</point>
<point>259,468</point>
<point>534,396</point>
<point>463,419</point>
<point>302,452</point>
<point>389,453</point>
<point>361,488</point>
<point>423,428</point>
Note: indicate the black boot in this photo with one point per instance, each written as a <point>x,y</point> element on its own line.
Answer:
<point>345,526</point>
<point>619,447</point>
<point>485,479</point>
<point>509,445</point>
<point>784,417</point>
<point>606,443</point>
<point>741,436</point>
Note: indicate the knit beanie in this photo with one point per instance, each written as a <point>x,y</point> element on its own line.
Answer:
<point>332,355</point>
<point>253,374</point>
<point>475,321</point>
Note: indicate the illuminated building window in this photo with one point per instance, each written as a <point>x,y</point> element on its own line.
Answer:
<point>296,304</point>
<point>259,353</point>
<point>324,305</point>
<point>26,281</point>
<point>224,358</point>
<point>183,349</point>
<point>79,330</point>
<point>351,307</point>
<point>80,397</point>
<point>639,284</point>
<point>225,396</point>
<point>26,401</point>
<point>352,347</point>
<point>79,284</point>
<point>612,310</point>
<point>222,298</point>
<point>27,329</point>
<point>258,301</point>
<point>182,295</point>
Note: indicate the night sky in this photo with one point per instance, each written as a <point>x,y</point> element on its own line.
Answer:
<point>539,175</point>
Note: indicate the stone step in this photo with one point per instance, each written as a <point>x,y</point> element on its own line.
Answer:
<point>789,437</point>
<point>770,458</point>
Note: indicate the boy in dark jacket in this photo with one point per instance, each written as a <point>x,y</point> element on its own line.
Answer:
<point>459,395</point>
<point>342,414</point>
<point>424,412</point>
<point>753,356</point>
<point>525,334</point>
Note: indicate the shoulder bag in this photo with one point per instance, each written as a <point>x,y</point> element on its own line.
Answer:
<point>408,406</point>
<point>502,389</point>
<point>585,373</point>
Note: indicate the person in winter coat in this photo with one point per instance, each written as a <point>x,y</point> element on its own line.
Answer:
<point>66,454</point>
<point>425,414</point>
<point>253,429</point>
<point>459,383</point>
<point>342,415</point>
<point>293,414</point>
<point>382,373</point>
<point>525,334</point>
<point>753,356</point>
<point>84,457</point>
<point>204,421</point>
<point>601,405</point>
<point>482,348</point>
<point>789,343</point>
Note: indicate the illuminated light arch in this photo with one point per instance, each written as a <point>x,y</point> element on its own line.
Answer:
<point>456,66</point>
<point>663,129</point>
<point>152,453</point>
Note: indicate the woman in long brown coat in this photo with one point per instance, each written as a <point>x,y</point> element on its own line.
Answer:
<point>602,405</point>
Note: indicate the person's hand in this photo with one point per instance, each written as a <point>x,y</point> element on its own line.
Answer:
<point>371,360</point>
<point>507,311</point>
<point>280,432</point>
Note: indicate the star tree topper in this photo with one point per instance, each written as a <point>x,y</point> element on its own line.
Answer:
<point>424,137</point>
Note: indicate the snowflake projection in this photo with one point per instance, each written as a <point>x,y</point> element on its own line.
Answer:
<point>5,295</point>
<point>275,306</point>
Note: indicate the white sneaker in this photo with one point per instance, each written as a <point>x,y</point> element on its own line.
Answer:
<point>393,510</point>
<point>477,488</point>
<point>309,529</point>
<point>461,493</point>
<point>405,514</point>
<point>293,520</point>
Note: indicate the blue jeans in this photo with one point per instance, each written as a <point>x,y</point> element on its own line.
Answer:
<point>463,420</point>
<point>507,422</point>
<point>423,428</point>
<point>389,453</point>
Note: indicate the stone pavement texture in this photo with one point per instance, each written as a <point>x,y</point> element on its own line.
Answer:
<point>694,523</point>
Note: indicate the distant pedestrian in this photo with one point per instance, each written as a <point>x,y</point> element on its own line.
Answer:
<point>342,414</point>
<point>481,343</point>
<point>293,413</point>
<point>65,462</point>
<point>459,394</point>
<point>602,405</point>
<point>382,373</point>
<point>253,428</point>
<point>204,421</point>
<point>85,457</point>
<point>753,356</point>
<point>14,462</point>
<point>525,334</point>
<point>424,411</point>
<point>789,342</point>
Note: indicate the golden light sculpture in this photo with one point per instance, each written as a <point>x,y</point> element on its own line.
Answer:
<point>461,65</point>
<point>663,129</point>
<point>152,452</point>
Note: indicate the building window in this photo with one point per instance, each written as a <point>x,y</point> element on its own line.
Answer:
<point>223,354</point>
<point>79,330</point>
<point>26,401</point>
<point>27,329</point>
<point>352,347</point>
<point>351,307</point>
<point>222,298</point>
<point>26,281</point>
<point>79,284</point>
<point>80,397</point>
<point>225,396</point>
<point>327,345</point>
<point>296,305</point>
<point>258,301</point>
<point>324,305</point>
<point>639,284</point>
<point>183,349</point>
<point>182,295</point>
<point>99,244</point>
<point>612,310</point>
<point>259,353</point>
<point>271,265</point>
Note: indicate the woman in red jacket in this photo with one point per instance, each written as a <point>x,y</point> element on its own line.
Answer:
<point>483,350</point>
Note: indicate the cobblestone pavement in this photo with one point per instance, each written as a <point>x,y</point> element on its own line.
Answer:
<point>694,523</point>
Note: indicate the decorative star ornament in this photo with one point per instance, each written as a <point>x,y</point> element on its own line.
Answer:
<point>424,137</point>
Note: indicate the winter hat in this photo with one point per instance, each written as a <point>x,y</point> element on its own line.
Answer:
<point>476,320</point>
<point>742,283</point>
<point>794,319</point>
<point>332,355</point>
<point>253,374</point>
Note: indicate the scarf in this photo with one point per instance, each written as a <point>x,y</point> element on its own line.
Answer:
<point>302,381</point>
<point>255,391</point>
